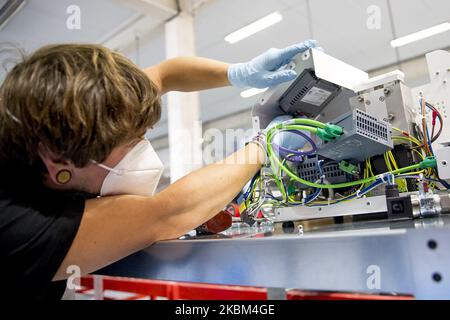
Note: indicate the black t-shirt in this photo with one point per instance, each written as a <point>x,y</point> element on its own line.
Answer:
<point>37,228</point>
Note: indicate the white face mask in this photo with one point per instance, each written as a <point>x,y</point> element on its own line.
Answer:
<point>138,173</point>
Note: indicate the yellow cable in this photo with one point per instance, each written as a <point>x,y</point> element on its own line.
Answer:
<point>370,168</point>
<point>420,155</point>
<point>387,161</point>
<point>409,137</point>
<point>393,161</point>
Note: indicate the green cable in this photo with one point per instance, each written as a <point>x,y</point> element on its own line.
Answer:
<point>335,186</point>
<point>342,185</point>
<point>282,128</point>
<point>274,131</point>
<point>307,122</point>
<point>325,132</point>
<point>280,185</point>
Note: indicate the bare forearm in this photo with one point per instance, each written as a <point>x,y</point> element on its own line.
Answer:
<point>189,74</point>
<point>202,194</point>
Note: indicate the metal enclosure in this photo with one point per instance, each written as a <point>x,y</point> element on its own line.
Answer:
<point>322,81</point>
<point>437,92</point>
<point>409,257</point>
<point>364,137</point>
<point>309,171</point>
<point>391,102</point>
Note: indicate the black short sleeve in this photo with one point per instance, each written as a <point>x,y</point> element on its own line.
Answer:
<point>36,232</point>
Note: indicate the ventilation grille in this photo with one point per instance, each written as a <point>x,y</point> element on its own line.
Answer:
<point>299,95</point>
<point>370,127</point>
<point>309,171</point>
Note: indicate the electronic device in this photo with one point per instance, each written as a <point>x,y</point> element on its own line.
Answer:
<point>378,146</point>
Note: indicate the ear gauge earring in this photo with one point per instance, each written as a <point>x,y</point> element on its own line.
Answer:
<point>64,176</point>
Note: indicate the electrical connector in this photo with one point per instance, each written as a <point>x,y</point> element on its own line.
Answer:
<point>330,132</point>
<point>429,162</point>
<point>435,116</point>
<point>348,168</point>
<point>324,135</point>
<point>334,130</point>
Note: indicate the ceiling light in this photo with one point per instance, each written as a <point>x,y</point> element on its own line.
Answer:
<point>255,27</point>
<point>420,35</point>
<point>8,10</point>
<point>252,92</point>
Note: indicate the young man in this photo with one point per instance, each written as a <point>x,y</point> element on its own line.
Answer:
<point>73,120</point>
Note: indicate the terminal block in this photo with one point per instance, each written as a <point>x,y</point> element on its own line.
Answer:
<point>364,136</point>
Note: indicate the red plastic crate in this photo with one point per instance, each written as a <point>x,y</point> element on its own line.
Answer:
<point>141,289</point>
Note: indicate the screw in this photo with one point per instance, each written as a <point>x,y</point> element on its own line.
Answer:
<point>437,277</point>
<point>382,99</point>
<point>432,244</point>
<point>387,91</point>
<point>368,102</point>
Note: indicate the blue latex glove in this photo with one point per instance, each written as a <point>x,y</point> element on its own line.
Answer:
<point>266,70</point>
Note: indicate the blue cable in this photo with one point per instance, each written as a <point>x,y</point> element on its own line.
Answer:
<point>247,193</point>
<point>316,194</point>
<point>445,184</point>
<point>430,142</point>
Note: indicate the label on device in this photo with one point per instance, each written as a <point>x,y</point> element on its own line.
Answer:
<point>316,96</point>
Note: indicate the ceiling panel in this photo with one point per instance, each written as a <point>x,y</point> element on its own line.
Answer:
<point>294,28</point>
<point>339,26</point>
<point>414,15</point>
<point>42,22</point>
<point>219,18</point>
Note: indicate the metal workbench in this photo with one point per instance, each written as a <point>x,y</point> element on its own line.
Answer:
<point>407,257</point>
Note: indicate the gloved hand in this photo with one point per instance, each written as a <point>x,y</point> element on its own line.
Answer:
<point>266,70</point>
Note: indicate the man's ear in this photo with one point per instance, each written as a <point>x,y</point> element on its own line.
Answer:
<point>52,162</point>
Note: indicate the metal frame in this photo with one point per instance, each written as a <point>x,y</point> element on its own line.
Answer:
<point>364,206</point>
<point>410,257</point>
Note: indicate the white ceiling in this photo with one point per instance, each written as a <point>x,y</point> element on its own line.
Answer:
<point>44,21</point>
<point>339,25</point>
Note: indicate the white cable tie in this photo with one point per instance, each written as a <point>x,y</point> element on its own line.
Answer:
<point>393,178</point>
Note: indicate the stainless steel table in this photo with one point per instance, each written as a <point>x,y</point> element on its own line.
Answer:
<point>408,257</point>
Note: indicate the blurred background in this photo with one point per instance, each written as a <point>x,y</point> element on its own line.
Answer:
<point>358,32</point>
